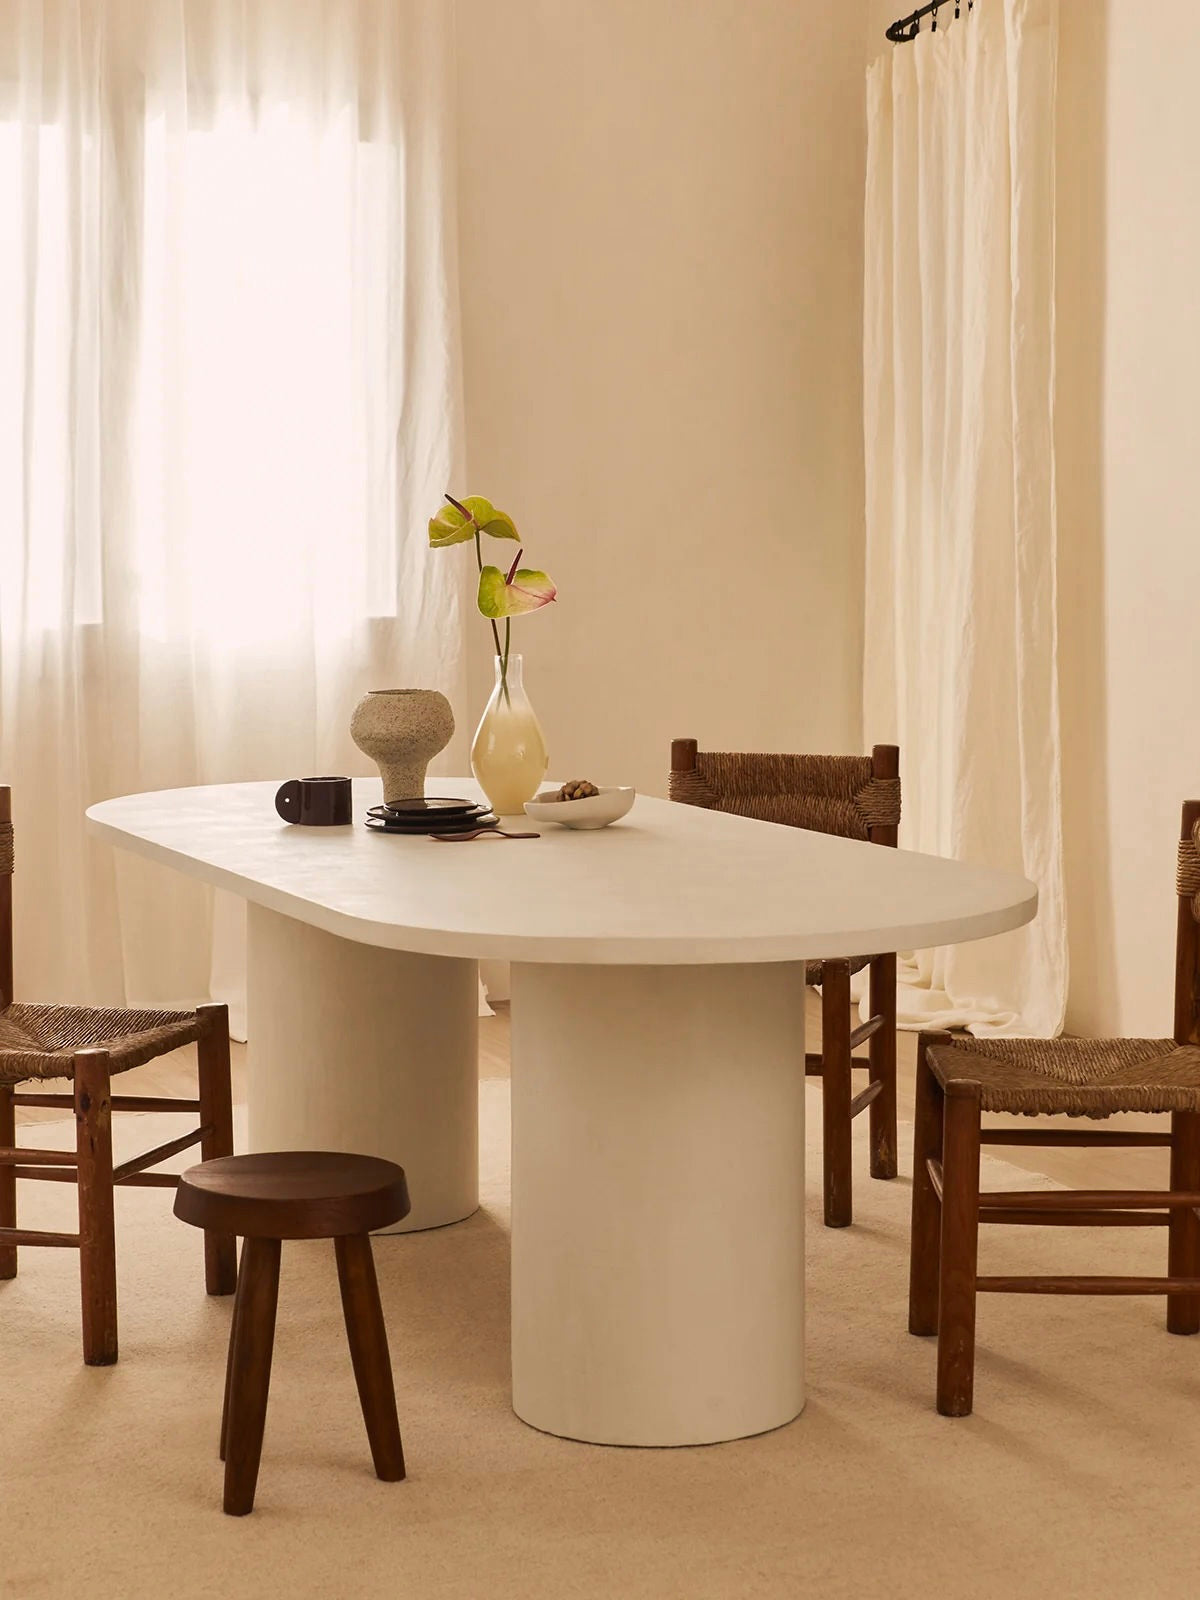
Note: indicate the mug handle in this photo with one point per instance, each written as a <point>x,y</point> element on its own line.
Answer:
<point>287,800</point>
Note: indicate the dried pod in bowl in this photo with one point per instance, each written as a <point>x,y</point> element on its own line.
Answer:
<point>577,789</point>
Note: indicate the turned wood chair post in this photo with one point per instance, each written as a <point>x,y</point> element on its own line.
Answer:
<point>1187,946</point>
<point>8,1133</point>
<point>8,1181</point>
<point>958,1266</point>
<point>216,1117</point>
<point>1183,1311</point>
<point>1183,1230</point>
<point>925,1247</point>
<point>683,755</point>
<point>97,1236</point>
<point>6,902</point>
<point>837,1124</point>
<point>881,1047</point>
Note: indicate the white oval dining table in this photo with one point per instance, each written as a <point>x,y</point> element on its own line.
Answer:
<point>657,1061</point>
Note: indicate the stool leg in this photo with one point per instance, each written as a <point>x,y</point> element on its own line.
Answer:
<point>97,1234</point>
<point>925,1244</point>
<point>216,1113</point>
<point>369,1352</point>
<point>8,1181</point>
<point>881,1049</point>
<point>229,1368</point>
<point>835,1094</point>
<point>1183,1310</point>
<point>250,1371</point>
<point>960,1251</point>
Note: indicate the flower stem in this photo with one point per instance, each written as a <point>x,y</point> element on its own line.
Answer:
<point>495,630</point>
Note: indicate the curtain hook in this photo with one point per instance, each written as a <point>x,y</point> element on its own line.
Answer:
<point>934,28</point>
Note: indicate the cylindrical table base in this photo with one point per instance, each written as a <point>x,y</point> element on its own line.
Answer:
<point>370,1051</point>
<point>658,1201</point>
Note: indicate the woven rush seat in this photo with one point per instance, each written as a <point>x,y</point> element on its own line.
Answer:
<point>40,1041</point>
<point>1075,1077</point>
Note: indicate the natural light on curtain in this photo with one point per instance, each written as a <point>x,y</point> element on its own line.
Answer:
<point>961,655</point>
<point>228,399</point>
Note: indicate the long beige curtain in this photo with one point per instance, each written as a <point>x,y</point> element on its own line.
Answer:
<point>960,569</point>
<point>228,400</point>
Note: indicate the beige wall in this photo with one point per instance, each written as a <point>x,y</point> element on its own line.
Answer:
<point>1129,472</point>
<point>661,244</point>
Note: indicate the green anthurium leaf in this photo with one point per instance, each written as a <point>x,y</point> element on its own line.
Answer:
<point>449,527</point>
<point>500,525</point>
<point>528,590</point>
<point>481,509</point>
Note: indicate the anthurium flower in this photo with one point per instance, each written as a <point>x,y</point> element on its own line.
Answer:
<point>461,520</point>
<point>522,589</point>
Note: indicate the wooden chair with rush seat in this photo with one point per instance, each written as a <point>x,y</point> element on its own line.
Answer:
<point>959,1077</point>
<point>88,1045</point>
<point>856,797</point>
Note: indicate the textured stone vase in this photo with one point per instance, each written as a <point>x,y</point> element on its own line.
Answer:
<point>402,730</point>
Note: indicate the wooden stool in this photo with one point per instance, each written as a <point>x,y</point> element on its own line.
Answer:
<point>298,1194</point>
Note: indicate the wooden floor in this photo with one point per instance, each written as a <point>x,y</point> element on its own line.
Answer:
<point>1099,1169</point>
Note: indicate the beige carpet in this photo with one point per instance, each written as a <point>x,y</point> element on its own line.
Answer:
<point>1076,1477</point>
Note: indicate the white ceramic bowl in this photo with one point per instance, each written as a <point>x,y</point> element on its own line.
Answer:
<point>597,811</point>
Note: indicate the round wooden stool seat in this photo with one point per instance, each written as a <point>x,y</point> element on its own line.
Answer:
<point>298,1194</point>
<point>293,1194</point>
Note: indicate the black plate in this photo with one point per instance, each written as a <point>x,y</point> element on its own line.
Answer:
<point>421,809</point>
<point>444,824</point>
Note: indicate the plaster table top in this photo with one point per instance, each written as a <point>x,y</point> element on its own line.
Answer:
<point>670,884</point>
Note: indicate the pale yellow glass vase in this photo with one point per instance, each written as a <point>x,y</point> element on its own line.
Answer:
<point>508,756</point>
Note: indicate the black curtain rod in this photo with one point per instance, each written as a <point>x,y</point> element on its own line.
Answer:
<point>907,29</point>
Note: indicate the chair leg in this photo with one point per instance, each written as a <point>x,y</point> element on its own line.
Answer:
<point>882,1052</point>
<point>367,1335</point>
<point>8,1181</point>
<point>233,1336</point>
<point>216,1113</point>
<point>835,1087</point>
<point>253,1339</point>
<point>960,1250</point>
<point>925,1248</point>
<point>97,1248</point>
<point>1183,1310</point>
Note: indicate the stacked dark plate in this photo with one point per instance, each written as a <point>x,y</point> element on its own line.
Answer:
<point>430,815</point>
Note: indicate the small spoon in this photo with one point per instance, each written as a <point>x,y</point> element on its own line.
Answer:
<point>483,833</point>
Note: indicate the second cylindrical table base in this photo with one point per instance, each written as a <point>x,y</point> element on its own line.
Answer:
<point>370,1051</point>
<point>658,1201</point>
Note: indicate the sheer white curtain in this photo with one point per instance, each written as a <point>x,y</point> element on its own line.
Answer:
<point>961,644</point>
<point>228,401</point>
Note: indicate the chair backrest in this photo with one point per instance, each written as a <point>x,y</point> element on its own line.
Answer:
<point>1187,939</point>
<point>857,797</point>
<point>6,872</point>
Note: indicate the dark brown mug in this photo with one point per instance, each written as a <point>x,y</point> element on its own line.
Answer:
<point>315,802</point>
